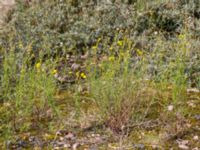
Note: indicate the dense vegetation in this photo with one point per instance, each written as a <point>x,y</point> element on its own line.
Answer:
<point>127,71</point>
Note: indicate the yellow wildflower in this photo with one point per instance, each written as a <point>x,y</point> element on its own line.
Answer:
<point>111,48</point>
<point>139,52</point>
<point>70,72</point>
<point>120,43</point>
<point>23,70</point>
<point>20,45</point>
<point>83,76</point>
<point>38,65</point>
<point>111,58</point>
<point>94,47</point>
<point>77,74</point>
<point>181,36</point>
<point>99,39</point>
<point>54,71</point>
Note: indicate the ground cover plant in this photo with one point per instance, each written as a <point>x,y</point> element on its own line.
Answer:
<point>100,75</point>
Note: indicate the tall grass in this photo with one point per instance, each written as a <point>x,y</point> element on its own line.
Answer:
<point>27,95</point>
<point>127,93</point>
<point>123,84</point>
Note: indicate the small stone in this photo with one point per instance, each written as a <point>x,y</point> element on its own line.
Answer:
<point>188,125</point>
<point>75,66</point>
<point>197,117</point>
<point>193,90</point>
<point>93,147</point>
<point>56,75</point>
<point>181,146</point>
<point>70,136</point>
<point>98,135</point>
<point>66,145</point>
<point>196,138</point>
<point>170,107</point>
<point>61,138</point>
<point>191,104</point>
<point>75,146</point>
<point>139,146</point>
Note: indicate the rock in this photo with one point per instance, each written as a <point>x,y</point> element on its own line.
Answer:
<point>170,107</point>
<point>196,138</point>
<point>193,90</point>
<point>183,144</point>
<point>75,146</point>
<point>75,67</point>
<point>70,136</point>
<point>197,116</point>
<point>139,146</point>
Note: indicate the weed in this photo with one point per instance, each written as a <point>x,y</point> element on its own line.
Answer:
<point>27,94</point>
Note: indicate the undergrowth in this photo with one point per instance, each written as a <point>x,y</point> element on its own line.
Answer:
<point>129,71</point>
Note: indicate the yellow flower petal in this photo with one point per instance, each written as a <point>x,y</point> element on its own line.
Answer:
<point>111,58</point>
<point>94,47</point>
<point>83,76</point>
<point>38,65</point>
<point>111,48</point>
<point>54,71</point>
<point>139,52</point>
<point>120,43</point>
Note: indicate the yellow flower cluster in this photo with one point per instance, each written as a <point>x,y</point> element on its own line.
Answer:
<point>81,75</point>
